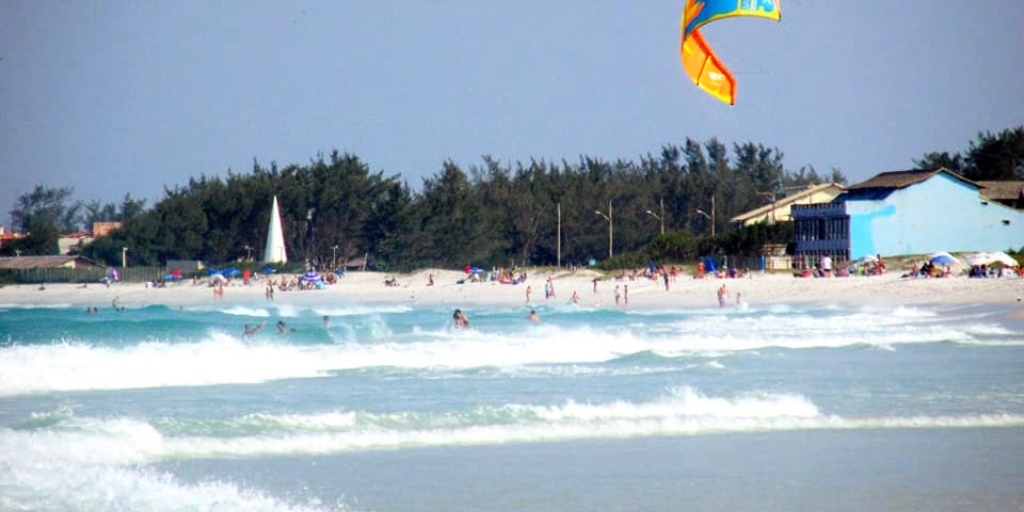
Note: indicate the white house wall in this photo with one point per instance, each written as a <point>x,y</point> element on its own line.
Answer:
<point>939,214</point>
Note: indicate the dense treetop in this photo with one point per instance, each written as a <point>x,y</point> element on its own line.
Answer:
<point>492,213</point>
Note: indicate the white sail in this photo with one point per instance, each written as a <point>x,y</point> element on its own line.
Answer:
<point>275,252</point>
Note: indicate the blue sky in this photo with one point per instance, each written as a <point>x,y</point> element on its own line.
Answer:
<point>131,96</point>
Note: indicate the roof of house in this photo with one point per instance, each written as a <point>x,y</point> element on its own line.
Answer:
<point>785,201</point>
<point>56,261</point>
<point>903,179</point>
<point>1002,190</point>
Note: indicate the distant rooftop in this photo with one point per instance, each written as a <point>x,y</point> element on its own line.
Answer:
<point>56,261</point>
<point>903,179</point>
<point>1002,190</point>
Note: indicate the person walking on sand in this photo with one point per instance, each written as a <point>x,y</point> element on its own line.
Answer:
<point>625,294</point>
<point>723,294</point>
<point>618,295</point>
<point>529,291</point>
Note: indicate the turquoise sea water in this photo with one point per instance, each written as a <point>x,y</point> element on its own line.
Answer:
<point>388,408</point>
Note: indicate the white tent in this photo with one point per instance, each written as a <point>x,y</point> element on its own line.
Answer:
<point>275,251</point>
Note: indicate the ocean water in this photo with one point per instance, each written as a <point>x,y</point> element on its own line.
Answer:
<point>389,408</point>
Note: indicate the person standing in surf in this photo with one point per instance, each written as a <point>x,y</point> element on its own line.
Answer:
<point>461,321</point>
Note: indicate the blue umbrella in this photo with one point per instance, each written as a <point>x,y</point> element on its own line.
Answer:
<point>232,272</point>
<point>268,270</point>
<point>311,276</point>
<point>212,272</point>
<point>709,265</point>
<point>944,259</point>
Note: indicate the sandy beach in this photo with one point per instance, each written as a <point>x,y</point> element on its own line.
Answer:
<point>888,290</point>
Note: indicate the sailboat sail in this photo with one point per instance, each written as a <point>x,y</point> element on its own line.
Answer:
<point>275,251</point>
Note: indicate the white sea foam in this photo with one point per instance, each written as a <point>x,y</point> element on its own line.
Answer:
<point>369,341</point>
<point>37,483</point>
<point>358,309</point>
<point>682,411</point>
<point>219,359</point>
<point>246,311</point>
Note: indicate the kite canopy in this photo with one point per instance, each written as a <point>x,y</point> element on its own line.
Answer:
<point>702,65</point>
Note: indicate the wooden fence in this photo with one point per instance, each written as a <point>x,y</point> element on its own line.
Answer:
<point>81,275</point>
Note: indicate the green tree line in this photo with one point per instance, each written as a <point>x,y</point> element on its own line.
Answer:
<point>491,213</point>
<point>487,214</point>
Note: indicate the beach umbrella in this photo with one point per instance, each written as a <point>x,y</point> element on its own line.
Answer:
<point>709,265</point>
<point>866,260</point>
<point>943,258</point>
<point>232,272</point>
<point>311,276</point>
<point>978,258</point>
<point>1002,257</point>
<point>214,272</point>
<point>268,270</point>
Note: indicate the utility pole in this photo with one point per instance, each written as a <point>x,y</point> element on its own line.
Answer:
<point>661,218</point>
<point>609,219</point>
<point>710,217</point>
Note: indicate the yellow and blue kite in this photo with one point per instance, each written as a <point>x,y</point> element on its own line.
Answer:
<point>703,66</point>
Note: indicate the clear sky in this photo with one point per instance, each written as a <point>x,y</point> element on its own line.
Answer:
<point>131,96</point>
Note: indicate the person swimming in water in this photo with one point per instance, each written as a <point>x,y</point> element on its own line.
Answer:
<point>282,328</point>
<point>253,329</point>
<point>533,316</point>
<point>461,321</point>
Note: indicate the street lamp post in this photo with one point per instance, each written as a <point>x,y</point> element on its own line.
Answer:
<point>334,257</point>
<point>661,218</point>
<point>609,219</point>
<point>124,257</point>
<point>248,253</point>
<point>710,217</point>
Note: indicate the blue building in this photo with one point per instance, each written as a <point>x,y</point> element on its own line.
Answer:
<point>906,212</point>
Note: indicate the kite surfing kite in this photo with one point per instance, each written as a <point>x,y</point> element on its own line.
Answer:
<point>701,64</point>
